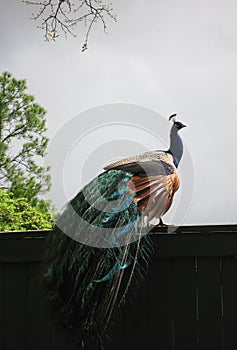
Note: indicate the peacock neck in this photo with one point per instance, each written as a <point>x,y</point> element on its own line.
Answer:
<point>176,145</point>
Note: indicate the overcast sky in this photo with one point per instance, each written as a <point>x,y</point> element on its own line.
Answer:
<point>165,57</point>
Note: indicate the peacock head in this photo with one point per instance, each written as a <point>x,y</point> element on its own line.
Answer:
<point>176,124</point>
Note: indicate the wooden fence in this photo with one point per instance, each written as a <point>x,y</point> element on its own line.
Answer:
<point>188,302</point>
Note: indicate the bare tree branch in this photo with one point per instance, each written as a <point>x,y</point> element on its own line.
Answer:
<point>66,15</point>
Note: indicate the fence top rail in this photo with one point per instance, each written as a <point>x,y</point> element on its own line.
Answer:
<point>186,241</point>
<point>157,229</point>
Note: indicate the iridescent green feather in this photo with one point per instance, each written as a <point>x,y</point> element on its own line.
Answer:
<point>86,283</point>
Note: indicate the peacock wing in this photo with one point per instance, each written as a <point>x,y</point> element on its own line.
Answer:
<point>143,160</point>
<point>154,194</point>
<point>154,182</point>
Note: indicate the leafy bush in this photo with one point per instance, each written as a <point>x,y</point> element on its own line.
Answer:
<point>16,214</point>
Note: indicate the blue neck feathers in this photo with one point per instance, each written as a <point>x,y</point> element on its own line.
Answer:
<point>176,145</point>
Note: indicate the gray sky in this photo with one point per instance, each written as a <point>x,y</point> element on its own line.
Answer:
<point>170,56</point>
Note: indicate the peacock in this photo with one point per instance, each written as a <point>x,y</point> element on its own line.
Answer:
<point>100,247</point>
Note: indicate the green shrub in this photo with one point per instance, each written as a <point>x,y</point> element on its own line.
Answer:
<point>16,214</point>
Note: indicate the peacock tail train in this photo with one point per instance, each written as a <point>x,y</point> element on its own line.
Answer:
<point>95,251</point>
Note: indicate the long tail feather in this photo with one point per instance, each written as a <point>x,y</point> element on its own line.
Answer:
<point>86,282</point>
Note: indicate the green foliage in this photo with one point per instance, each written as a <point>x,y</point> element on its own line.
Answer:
<point>16,214</point>
<point>22,141</point>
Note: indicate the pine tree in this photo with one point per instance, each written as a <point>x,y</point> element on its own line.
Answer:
<point>23,142</point>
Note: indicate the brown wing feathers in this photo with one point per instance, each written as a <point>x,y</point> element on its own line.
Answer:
<point>154,182</point>
<point>154,194</point>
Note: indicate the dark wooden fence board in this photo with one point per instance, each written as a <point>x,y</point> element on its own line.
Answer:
<point>210,304</point>
<point>14,308</point>
<point>229,281</point>
<point>38,323</point>
<point>184,296</point>
<point>38,318</point>
<point>195,244</point>
<point>136,320</point>
<point>160,323</point>
<point>21,250</point>
<point>1,304</point>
